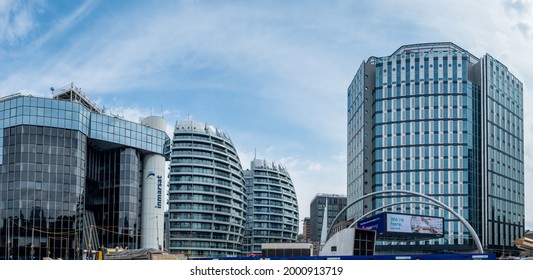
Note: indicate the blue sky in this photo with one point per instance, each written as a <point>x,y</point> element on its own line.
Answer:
<point>272,74</point>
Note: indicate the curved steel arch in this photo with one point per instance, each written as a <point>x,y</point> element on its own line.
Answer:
<point>461,219</point>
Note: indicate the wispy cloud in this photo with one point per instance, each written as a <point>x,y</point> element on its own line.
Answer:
<point>524,29</point>
<point>65,22</point>
<point>274,77</point>
<point>519,12</point>
<point>194,37</point>
<point>517,7</point>
<point>16,21</point>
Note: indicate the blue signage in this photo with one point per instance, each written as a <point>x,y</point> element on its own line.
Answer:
<point>376,223</point>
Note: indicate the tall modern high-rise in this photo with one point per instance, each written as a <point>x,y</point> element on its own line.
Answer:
<point>335,203</point>
<point>272,215</point>
<point>435,119</point>
<point>306,232</point>
<point>73,178</point>
<point>207,196</point>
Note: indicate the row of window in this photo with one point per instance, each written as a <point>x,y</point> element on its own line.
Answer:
<point>204,244</point>
<point>212,143</point>
<point>234,227</point>
<point>177,161</point>
<point>436,101</point>
<point>426,139</point>
<point>271,174</point>
<point>194,178</point>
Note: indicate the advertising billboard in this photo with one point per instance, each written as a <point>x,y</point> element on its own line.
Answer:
<point>394,226</point>
<point>414,224</point>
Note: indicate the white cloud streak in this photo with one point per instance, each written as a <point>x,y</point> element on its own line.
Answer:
<point>16,21</point>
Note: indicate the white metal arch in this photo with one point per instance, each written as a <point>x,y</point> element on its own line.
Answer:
<point>461,219</point>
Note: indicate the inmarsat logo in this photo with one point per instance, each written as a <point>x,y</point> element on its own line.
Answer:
<point>159,188</point>
<point>159,191</point>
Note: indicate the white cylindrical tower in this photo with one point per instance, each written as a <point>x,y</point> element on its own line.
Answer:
<point>153,193</point>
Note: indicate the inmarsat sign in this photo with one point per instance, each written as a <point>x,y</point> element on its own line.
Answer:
<point>159,202</point>
<point>159,191</point>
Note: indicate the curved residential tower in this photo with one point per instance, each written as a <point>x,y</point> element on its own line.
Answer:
<point>207,196</point>
<point>272,214</point>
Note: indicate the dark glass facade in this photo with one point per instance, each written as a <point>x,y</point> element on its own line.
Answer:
<point>70,177</point>
<point>42,191</point>
<point>335,204</point>
<point>113,195</point>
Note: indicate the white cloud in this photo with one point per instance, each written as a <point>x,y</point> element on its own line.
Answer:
<point>315,166</point>
<point>135,114</point>
<point>132,53</point>
<point>312,81</point>
<point>16,21</point>
<point>299,61</point>
<point>517,7</point>
<point>245,158</point>
<point>342,158</point>
<point>270,149</point>
<point>64,23</point>
<point>491,31</point>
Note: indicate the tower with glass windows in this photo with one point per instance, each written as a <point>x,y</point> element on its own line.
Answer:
<point>207,196</point>
<point>334,203</point>
<point>70,176</point>
<point>435,119</point>
<point>272,215</point>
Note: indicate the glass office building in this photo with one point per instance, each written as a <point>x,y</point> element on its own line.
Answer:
<point>70,176</point>
<point>207,196</point>
<point>272,215</point>
<point>334,203</point>
<point>435,119</point>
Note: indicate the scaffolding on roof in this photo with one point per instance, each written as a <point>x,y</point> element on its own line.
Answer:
<point>74,94</point>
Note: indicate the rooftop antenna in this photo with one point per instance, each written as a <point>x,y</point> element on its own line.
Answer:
<point>255,153</point>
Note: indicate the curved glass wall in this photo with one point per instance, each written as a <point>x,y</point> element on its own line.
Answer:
<point>42,192</point>
<point>207,197</point>
<point>272,215</point>
<point>69,179</point>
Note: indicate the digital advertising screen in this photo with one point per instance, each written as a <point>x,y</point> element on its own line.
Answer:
<point>376,223</point>
<point>414,224</point>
